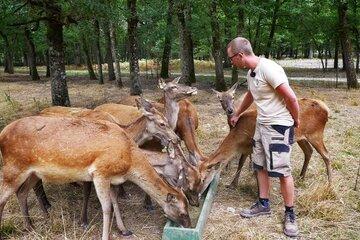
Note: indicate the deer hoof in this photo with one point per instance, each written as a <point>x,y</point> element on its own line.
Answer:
<point>126,233</point>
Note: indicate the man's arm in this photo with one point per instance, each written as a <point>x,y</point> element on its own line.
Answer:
<point>247,101</point>
<point>291,101</point>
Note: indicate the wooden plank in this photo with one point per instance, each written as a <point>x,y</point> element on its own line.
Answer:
<point>173,232</point>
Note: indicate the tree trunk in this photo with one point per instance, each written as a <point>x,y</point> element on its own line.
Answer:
<point>336,54</point>
<point>98,51</point>
<point>219,73</point>
<point>272,28</point>
<point>135,88</point>
<point>115,56</point>
<point>25,58</point>
<point>346,46</point>
<point>87,58</point>
<point>31,55</point>
<point>109,58</point>
<point>59,90</point>
<point>8,60</point>
<point>167,43</point>
<point>78,57</point>
<point>240,29</point>
<point>186,45</point>
<point>257,34</point>
<point>47,57</point>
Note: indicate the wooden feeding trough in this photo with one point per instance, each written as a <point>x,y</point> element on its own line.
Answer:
<point>173,232</point>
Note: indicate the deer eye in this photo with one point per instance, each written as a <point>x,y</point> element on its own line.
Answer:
<point>162,124</point>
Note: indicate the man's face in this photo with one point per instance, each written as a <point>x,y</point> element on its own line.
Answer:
<point>236,59</point>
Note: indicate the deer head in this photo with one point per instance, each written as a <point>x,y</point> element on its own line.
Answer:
<point>189,178</point>
<point>176,208</point>
<point>227,99</point>
<point>175,91</point>
<point>156,124</point>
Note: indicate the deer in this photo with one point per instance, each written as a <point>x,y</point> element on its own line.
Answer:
<point>313,116</point>
<point>53,149</point>
<point>181,112</point>
<point>158,126</point>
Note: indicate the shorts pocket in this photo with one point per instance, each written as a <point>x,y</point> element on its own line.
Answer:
<point>278,154</point>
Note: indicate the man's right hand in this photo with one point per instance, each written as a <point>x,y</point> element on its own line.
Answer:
<point>233,120</point>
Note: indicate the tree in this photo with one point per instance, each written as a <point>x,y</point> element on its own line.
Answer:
<point>217,49</point>
<point>108,56</point>
<point>346,45</point>
<point>98,51</point>
<point>135,88</point>
<point>167,44</point>
<point>186,43</point>
<point>31,54</point>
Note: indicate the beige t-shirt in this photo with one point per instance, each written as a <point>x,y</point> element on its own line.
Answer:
<point>271,107</point>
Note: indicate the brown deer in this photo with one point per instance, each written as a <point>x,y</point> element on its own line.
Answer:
<point>181,112</point>
<point>53,149</point>
<point>157,124</point>
<point>313,117</point>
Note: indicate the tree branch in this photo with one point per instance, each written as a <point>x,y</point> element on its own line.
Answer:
<point>20,7</point>
<point>30,21</point>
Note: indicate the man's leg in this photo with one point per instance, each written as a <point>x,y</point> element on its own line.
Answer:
<point>264,183</point>
<point>262,205</point>
<point>287,190</point>
<point>288,193</point>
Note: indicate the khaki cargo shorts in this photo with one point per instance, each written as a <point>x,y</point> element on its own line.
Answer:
<point>272,149</point>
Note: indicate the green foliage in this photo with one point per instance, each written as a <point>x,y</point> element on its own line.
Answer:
<point>299,25</point>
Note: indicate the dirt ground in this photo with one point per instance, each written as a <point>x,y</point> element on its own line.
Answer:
<point>323,212</point>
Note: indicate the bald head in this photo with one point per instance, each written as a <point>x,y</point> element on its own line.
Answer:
<point>242,45</point>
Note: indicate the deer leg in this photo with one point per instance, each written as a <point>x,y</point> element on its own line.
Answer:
<point>5,192</point>
<point>41,196</point>
<point>319,146</point>
<point>119,221</point>
<point>235,181</point>
<point>8,188</point>
<point>307,149</point>
<point>102,188</point>
<point>22,195</point>
<point>86,196</point>
<point>148,203</point>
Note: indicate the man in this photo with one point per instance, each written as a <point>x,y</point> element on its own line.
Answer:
<point>278,113</point>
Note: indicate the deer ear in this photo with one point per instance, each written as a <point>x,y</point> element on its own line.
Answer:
<point>146,113</point>
<point>146,104</point>
<point>216,92</point>
<point>161,83</point>
<point>233,88</point>
<point>176,80</point>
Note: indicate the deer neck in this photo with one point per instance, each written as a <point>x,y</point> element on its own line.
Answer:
<point>137,130</point>
<point>171,111</point>
<point>145,176</point>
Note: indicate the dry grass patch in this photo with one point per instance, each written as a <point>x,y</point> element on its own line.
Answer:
<point>321,201</point>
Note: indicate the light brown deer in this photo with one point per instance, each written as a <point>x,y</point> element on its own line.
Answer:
<point>181,112</point>
<point>141,130</point>
<point>313,117</point>
<point>53,149</point>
